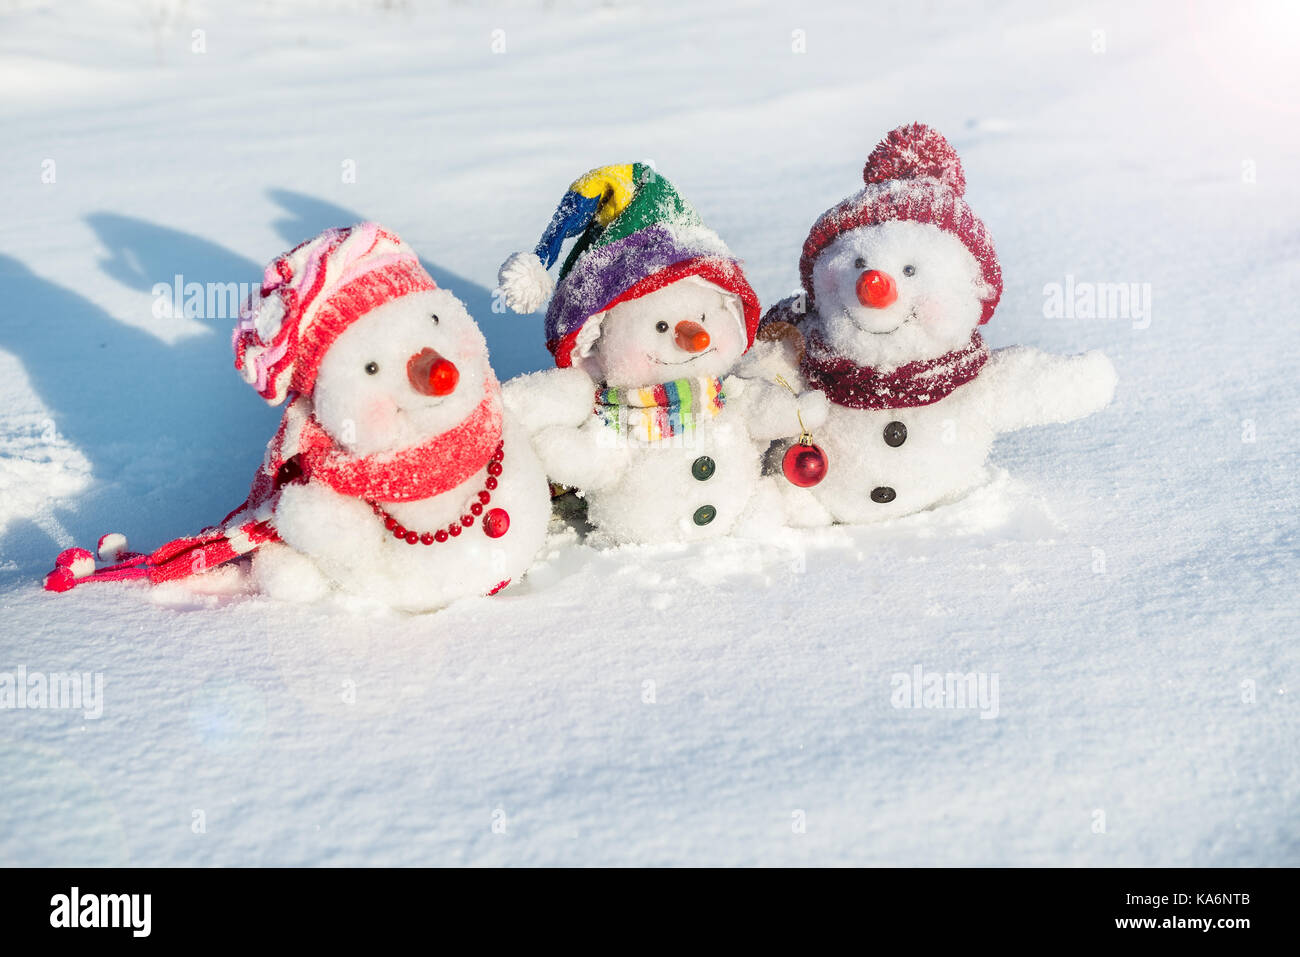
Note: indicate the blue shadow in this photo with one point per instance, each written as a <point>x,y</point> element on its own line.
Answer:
<point>171,433</point>
<point>515,343</point>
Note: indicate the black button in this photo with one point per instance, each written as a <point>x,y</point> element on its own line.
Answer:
<point>895,434</point>
<point>882,495</point>
<point>705,514</point>
<point>703,468</point>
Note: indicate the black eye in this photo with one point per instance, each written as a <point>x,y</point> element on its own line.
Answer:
<point>435,318</point>
<point>859,263</point>
<point>661,326</point>
<point>909,270</point>
<point>372,368</point>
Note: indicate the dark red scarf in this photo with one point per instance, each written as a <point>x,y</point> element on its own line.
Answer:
<point>917,383</point>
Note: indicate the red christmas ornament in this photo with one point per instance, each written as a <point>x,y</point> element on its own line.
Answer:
<point>804,463</point>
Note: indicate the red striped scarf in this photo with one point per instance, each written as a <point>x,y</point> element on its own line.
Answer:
<point>302,451</point>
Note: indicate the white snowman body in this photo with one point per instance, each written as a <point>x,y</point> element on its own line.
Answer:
<point>884,463</point>
<point>698,483</point>
<point>888,463</point>
<point>683,488</point>
<point>366,401</point>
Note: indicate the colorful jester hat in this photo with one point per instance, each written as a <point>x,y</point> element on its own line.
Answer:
<point>635,234</point>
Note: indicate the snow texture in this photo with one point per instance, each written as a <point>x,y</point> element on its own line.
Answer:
<point>1132,586</point>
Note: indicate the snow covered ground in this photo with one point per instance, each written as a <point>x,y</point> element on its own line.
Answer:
<point>1130,580</point>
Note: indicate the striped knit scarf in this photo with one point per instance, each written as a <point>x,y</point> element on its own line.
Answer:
<point>660,411</point>
<point>301,451</point>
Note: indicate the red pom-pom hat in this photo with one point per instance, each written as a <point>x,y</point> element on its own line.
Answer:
<point>310,295</point>
<point>912,174</point>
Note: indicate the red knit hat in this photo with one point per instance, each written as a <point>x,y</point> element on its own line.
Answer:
<point>310,295</point>
<point>912,174</point>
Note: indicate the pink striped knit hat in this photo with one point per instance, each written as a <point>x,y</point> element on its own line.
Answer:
<point>912,174</point>
<point>311,294</point>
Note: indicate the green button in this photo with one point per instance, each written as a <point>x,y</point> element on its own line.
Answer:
<point>703,468</point>
<point>705,514</point>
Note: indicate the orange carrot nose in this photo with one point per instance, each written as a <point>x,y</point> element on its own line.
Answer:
<point>690,336</point>
<point>876,289</point>
<point>431,374</point>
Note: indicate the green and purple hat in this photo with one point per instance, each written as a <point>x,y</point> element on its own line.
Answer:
<point>635,234</point>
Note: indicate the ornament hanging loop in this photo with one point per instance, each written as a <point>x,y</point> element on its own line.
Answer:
<point>805,437</point>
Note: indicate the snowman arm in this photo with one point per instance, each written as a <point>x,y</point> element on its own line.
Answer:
<point>766,360</point>
<point>553,397</point>
<point>589,457</point>
<point>771,412</point>
<point>1023,387</point>
<point>320,523</point>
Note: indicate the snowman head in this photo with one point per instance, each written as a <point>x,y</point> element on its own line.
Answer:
<point>903,270</point>
<point>897,292</point>
<point>647,293</point>
<point>687,329</point>
<point>351,320</point>
<point>405,371</point>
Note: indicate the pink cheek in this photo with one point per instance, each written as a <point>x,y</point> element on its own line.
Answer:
<point>626,368</point>
<point>379,417</point>
<point>929,312</point>
<point>640,369</point>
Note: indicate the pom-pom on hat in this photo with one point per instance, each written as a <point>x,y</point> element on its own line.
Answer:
<point>912,174</point>
<point>635,234</point>
<point>312,293</point>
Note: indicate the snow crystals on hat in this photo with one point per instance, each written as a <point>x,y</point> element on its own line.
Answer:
<point>312,293</point>
<point>912,174</point>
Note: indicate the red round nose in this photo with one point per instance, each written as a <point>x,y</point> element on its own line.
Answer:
<point>431,374</point>
<point>876,289</point>
<point>690,336</point>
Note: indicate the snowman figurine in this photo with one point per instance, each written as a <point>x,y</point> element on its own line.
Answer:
<point>395,474</point>
<point>650,315</point>
<point>897,280</point>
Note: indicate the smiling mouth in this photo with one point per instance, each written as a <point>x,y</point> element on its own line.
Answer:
<point>681,362</point>
<point>888,332</point>
<point>430,403</point>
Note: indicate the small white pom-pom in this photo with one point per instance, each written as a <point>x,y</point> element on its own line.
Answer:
<point>524,282</point>
<point>268,317</point>
<point>111,547</point>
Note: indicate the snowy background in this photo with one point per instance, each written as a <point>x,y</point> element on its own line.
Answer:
<point>1130,579</point>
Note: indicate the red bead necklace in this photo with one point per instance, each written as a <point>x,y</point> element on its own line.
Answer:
<point>495,523</point>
